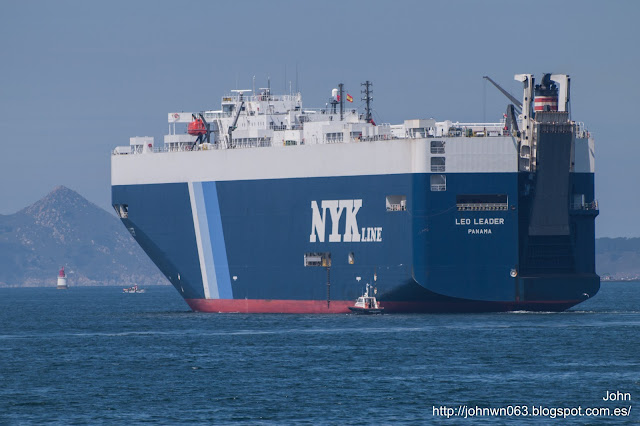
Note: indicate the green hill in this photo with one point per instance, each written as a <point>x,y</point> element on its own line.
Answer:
<point>64,228</point>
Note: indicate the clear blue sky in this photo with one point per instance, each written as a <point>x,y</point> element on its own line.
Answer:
<point>79,78</point>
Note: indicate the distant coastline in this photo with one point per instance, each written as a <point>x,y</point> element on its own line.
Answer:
<point>72,286</point>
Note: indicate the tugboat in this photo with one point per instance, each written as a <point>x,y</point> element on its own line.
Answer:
<point>133,289</point>
<point>367,304</point>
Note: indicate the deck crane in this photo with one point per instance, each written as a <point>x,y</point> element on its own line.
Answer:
<point>512,109</point>
<point>516,102</point>
<point>238,111</point>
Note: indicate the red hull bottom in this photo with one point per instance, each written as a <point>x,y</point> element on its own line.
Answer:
<point>264,306</point>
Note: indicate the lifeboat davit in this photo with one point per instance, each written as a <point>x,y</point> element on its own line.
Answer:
<point>197,127</point>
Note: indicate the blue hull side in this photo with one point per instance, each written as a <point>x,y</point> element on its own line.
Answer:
<point>430,257</point>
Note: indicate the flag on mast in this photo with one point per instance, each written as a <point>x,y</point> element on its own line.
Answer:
<point>349,98</point>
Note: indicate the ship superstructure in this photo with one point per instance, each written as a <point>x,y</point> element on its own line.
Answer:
<point>267,206</point>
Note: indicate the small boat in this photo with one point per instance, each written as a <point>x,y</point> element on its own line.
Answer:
<point>367,304</point>
<point>133,289</point>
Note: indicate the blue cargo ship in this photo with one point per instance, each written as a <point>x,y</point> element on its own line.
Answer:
<point>268,206</point>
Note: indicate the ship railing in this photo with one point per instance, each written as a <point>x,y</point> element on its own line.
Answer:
<point>581,131</point>
<point>320,114</point>
<point>374,138</point>
<point>477,129</point>
<point>585,206</point>
<point>214,146</point>
<point>333,140</point>
<point>269,98</point>
<point>129,149</point>
<point>340,138</point>
<point>460,132</point>
<point>175,147</point>
<point>482,207</point>
<point>260,97</point>
<point>250,143</point>
<point>316,111</point>
<point>214,115</point>
<point>121,150</point>
<point>419,135</point>
<point>260,143</point>
<point>479,125</point>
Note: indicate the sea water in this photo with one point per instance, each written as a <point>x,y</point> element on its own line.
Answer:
<point>95,355</point>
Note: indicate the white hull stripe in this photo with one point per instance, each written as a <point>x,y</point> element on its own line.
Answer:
<point>215,240</point>
<point>203,241</point>
<point>214,268</point>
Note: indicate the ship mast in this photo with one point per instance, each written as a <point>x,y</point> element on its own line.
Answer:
<point>341,99</point>
<point>367,98</point>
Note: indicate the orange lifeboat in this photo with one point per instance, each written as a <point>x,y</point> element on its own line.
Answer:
<point>197,127</point>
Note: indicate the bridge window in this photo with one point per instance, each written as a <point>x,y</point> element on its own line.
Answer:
<point>334,137</point>
<point>438,183</point>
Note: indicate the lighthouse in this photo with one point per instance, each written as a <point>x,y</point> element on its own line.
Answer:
<point>62,279</point>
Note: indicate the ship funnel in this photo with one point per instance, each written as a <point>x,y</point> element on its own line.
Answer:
<point>546,95</point>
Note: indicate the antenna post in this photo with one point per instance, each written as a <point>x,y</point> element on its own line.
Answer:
<point>367,98</point>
